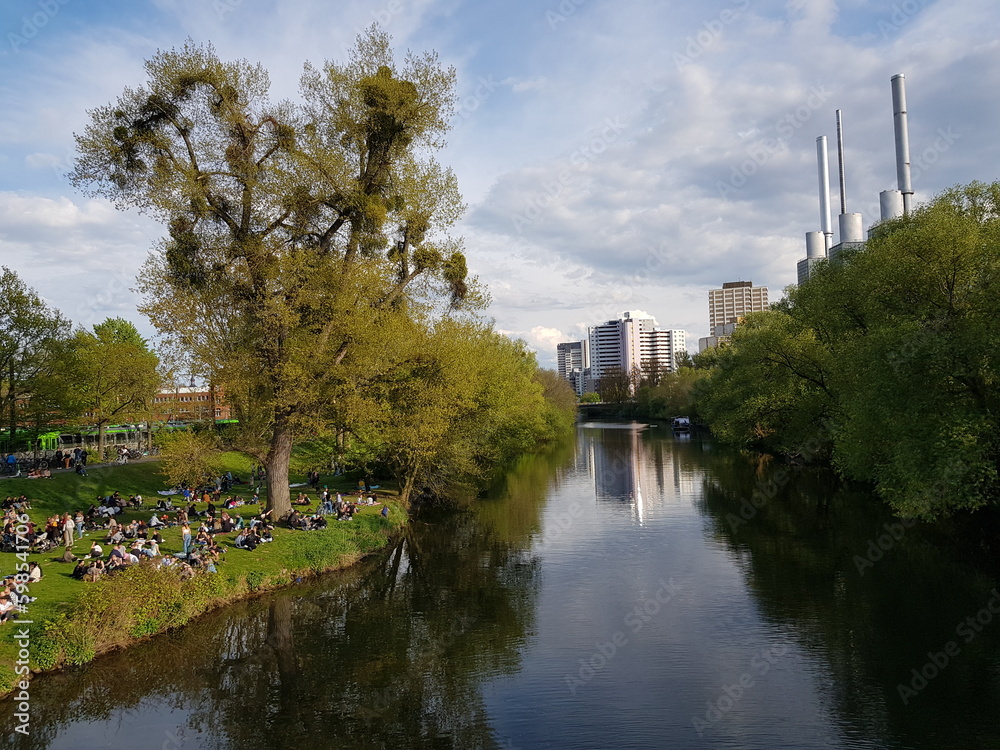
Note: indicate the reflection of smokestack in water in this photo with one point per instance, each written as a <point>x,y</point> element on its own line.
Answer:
<point>902,141</point>
<point>823,164</point>
<point>840,163</point>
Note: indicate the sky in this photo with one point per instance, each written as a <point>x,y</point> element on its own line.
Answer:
<point>614,155</point>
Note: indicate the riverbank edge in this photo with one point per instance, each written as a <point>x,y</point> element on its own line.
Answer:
<point>74,639</point>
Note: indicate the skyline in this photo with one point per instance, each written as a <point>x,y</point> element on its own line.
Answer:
<point>612,156</point>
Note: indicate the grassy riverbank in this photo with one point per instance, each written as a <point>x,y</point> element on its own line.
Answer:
<point>72,621</point>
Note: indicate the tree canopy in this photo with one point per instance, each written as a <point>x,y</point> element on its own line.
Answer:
<point>307,247</point>
<point>888,358</point>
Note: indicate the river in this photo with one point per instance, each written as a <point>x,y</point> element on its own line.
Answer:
<point>629,590</point>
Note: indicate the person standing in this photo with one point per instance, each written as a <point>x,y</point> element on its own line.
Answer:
<point>69,525</point>
<point>186,537</point>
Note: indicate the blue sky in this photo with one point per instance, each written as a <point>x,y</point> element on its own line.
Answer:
<point>614,155</point>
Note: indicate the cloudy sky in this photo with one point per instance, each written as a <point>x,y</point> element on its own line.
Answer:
<point>614,154</point>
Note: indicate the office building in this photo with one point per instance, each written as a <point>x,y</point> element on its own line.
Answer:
<point>733,301</point>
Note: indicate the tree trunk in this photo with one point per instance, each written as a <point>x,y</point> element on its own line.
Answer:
<point>404,496</point>
<point>100,442</point>
<point>279,501</point>
<point>12,398</point>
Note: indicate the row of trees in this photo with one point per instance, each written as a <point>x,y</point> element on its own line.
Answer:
<point>308,266</point>
<point>54,374</point>
<point>886,361</point>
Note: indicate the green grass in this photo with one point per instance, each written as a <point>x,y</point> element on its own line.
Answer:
<point>74,621</point>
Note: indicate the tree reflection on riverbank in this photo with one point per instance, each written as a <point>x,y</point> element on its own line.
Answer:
<point>870,594</point>
<point>389,654</point>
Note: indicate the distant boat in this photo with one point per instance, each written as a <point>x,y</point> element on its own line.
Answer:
<point>681,424</point>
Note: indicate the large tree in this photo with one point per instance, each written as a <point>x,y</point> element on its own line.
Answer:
<point>31,347</point>
<point>116,374</point>
<point>296,229</point>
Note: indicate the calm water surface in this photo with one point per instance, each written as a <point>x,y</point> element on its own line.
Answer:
<point>623,592</point>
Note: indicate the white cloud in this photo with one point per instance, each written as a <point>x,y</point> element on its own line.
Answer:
<point>634,154</point>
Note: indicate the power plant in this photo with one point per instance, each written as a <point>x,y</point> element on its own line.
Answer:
<point>892,203</point>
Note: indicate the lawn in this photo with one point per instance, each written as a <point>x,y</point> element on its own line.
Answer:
<point>292,553</point>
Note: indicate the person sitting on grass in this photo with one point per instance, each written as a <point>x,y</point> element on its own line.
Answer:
<point>81,569</point>
<point>96,570</point>
<point>7,609</point>
<point>248,540</point>
<point>68,556</point>
<point>266,536</point>
<point>34,572</point>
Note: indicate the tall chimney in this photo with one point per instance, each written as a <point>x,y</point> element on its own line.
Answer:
<point>823,164</point>
<point>840,163</point>
<point>902,141</point>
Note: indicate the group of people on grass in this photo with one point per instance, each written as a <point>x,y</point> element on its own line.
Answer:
<point>14,598</point>
<point>139,542</point>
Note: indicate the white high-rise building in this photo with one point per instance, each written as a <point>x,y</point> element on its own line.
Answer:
<point>573,363</point>
<point>633,342</point>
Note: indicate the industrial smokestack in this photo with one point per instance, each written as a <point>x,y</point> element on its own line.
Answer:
<point>902,141</point>
<point>852,228</point>
<point>815,245</point>
<point>823,164</point>
<point>890,204</point>
<point>840,163</point>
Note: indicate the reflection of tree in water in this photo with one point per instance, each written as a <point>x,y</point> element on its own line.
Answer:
<point>389,654</point>
<point>799,554</point>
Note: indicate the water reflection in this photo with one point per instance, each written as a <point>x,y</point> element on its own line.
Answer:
<point>388,655</point>
<point>874,598</point>
<point>464,632</point>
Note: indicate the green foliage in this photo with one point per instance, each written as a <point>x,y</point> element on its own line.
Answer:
<point>295,232</point>
<point>115,375</point>
<point>590,398</point>
<point>33,350</point>
<point>888,357</point>
<point>453,401</point>
<point>189,458</point>
<point>673,396</point>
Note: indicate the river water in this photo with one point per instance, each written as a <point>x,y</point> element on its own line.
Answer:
<point>629,590</point>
